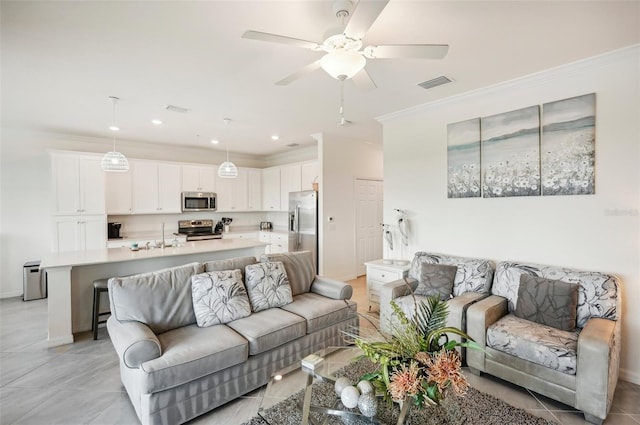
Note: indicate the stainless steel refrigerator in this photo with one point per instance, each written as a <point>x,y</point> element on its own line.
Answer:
<point>303,222</point>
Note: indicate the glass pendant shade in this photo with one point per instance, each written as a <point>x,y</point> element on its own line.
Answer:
<point>341,63</point>
<point>227,170</point>
<point>114,161</point>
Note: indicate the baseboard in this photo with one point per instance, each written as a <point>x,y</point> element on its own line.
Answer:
<point>629,376</point>
<point>11,294</point>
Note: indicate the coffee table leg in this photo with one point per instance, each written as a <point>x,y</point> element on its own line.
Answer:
<point>306,406</point>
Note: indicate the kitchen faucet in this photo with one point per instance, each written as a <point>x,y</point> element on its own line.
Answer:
<point>162,243</point>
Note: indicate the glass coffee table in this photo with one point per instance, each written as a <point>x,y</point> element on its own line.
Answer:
<point>291,380</point>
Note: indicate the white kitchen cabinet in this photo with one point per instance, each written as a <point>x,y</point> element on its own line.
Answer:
<point>289,182</point>
<point>271,189</point>
<point>119,194</point>
<point>278,242</point>
<point>379,273</point>
<point>254,189</point>
<point>79,233</point>
<point>78,184</point>
<point>199,178</point>
<point>156,187</point>
<point>232,193</point>
<point>309,173</point>
<point>238,235</point>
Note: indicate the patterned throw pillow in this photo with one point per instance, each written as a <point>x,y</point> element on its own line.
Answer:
<point>219,297</point>
<point>548,302</point>
<point>436,280</point>
<point>268,285</point>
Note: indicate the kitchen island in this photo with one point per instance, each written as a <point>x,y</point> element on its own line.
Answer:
<point>70,276</point>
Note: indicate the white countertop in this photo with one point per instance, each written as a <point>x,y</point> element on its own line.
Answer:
<point>114,255</point>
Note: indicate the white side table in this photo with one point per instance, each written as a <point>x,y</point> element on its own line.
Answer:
<point>379,273</point>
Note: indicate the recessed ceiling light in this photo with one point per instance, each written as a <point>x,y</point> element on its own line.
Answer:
<point>114,128</point>
<point>156,122</point>
<point>275,137</point>
<point>215,142</point>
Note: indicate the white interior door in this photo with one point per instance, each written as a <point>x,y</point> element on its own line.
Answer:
<point>368,220</point>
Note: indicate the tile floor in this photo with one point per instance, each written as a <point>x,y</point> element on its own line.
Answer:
<point>79,383</point>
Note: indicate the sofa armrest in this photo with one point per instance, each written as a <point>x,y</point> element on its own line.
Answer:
<point>331,288</point>
<point>388,292</point>
<point>480,316</point>
<point>598,364</point>
<point>134,342</point>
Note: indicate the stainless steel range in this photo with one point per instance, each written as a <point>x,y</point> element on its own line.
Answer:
<point>198,230</point>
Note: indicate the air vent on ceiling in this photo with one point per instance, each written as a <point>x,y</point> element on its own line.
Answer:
<point>438,81</point>
<point>177,109</point>
<point>292,145</point>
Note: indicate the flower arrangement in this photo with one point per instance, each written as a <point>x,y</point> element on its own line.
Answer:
<point>418,362</point>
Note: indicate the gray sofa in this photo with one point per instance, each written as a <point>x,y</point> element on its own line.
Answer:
<point>472,282</point>
<point>173,370</point>
<point>578,367</point>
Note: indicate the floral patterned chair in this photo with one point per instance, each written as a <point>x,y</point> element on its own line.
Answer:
<point>553,330</point>
<point>471,282</point>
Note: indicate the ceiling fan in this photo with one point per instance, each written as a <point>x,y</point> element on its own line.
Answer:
<point>343,58</point>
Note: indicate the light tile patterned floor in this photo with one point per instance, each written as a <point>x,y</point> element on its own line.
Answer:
<point>79,383</point>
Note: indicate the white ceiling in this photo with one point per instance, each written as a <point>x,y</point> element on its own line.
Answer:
<point>61,60</point>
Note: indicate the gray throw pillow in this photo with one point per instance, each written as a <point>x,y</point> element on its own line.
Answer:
<point>436,280</point>
<point>219,297</point>
<point>268,285</point>
<point>548,302</point>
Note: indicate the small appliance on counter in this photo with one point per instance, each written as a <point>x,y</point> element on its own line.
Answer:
<point>266,225</point>
<point>113,230</point>
<point>198,230</point>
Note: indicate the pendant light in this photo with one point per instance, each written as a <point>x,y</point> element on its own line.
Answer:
<point>114,161</point>
<point>227,170</point>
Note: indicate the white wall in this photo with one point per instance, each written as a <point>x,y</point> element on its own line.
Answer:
<point>342,161</point>
<point>596,232</point>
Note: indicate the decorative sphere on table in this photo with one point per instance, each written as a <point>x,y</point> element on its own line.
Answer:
<point>341,384</point>
<point>349,397</point>
<point>365,387</point>
<point>368,404</point>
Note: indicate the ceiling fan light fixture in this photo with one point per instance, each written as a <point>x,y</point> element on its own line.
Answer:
<point>341,42</point>
<point>342,65</point>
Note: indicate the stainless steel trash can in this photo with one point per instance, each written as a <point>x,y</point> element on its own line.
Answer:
<point>34,283</point>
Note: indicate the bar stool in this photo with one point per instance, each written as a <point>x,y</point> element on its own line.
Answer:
<point>99,286</point>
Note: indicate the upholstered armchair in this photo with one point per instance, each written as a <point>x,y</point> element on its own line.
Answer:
<point>552,330</point>
<point>470,281</point>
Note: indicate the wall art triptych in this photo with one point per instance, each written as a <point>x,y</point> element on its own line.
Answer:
<point>517,153</point>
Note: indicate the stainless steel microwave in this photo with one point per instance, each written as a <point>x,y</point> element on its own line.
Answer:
<point>198,201</point>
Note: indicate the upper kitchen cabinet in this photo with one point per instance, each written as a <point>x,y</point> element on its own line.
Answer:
<point>289,182</point>
<point>199,178</point>
<point>119,193</point>
<point>271,189</point>
<point>156,187</point>
<point>232,193</point>
<point>254,189</point>
<point>308,175</point>
<point>79,184</point>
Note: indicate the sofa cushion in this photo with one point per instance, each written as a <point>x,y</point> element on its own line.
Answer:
<point>191,352</point>
<point>267,285</point>
<point>159,299</point>
<point>230,264</point>
<point>269,329</point>
<point>300,269</point>
<point>473,275</point>
<point>219,297</point>
<point>540,344</point>
<point>597,295</point>
<point>320,312</point>
<point>548,302</point>
<point>436,280</point>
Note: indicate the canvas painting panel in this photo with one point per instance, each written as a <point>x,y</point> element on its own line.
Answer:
<point>511,153</point>
<point>568,146</point>
<point>463,159</point>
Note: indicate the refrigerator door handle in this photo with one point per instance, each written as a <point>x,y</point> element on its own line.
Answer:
<point>297,227</point>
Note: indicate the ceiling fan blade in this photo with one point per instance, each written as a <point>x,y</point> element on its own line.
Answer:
<point>417,51</point>
<point>274,38</point>
<point>364,15</point>
<point>299,73</point>
<point>363,81</point>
